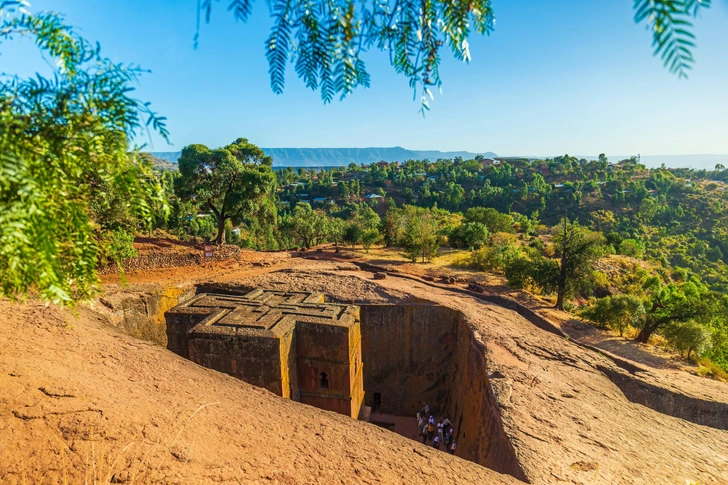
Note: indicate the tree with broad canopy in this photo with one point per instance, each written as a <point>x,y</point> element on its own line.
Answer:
<point>671,303</point>
<point>576,250</point>
<point>232,182</point>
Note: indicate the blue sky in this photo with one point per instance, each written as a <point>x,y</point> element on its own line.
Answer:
<point>563,76</point>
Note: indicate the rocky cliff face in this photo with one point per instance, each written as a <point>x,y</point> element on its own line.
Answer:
<point>423,352</point>
<point>140,311</point>
<point>566,421</point>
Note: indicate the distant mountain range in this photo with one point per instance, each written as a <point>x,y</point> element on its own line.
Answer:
<point>338,157</point>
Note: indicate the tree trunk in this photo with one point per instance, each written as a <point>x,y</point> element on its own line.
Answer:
<point>559,300</point>
<point>561,290</point>
<point>220,239</point>
<point>646,333</point>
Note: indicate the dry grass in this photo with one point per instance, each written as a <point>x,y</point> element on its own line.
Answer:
<point>450,262</point>
<point>104,463</point>
<point>707,368</point>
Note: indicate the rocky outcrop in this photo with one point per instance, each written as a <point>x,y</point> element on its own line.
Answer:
<point>140,311</point>
<point>666,401</point>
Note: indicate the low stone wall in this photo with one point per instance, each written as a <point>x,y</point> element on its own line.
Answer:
<point>162,259</point>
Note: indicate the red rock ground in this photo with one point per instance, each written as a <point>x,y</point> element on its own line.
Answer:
<point>82,403</point>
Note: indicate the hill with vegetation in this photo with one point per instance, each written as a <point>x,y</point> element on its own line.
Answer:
<point>640,250</point>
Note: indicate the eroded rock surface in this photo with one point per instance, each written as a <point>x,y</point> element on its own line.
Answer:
<point>72,389</point>
<point>566,420</point>
<point>79,399</point>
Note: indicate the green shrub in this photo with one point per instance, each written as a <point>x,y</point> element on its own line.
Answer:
<point>617,312</point>
<point>689,338</point>
<point>493,257</point>
<point>121,246</point>
<point>715,254</point>
<point>708,368</point>
<point>632,248</point>
<point>370,237</point>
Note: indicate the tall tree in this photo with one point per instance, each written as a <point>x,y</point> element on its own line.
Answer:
<point>577,249</point>
<point>470,235</point>
<point>307,226</point>
<point>353,233</point>
<point>336,228</point>
<point>370,237</point>
<point>232,182</point>
<point>419,229</point>
<point>493,220</point>
<point>671,304</point>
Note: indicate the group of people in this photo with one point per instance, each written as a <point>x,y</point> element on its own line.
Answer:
<point>441,433</point>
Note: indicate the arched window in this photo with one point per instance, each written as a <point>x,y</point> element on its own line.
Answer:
<point>324,380</point>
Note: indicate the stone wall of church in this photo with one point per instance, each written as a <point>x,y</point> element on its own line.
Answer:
<point>254,359</point>
<point>416,353</point>
<point>408,352</point>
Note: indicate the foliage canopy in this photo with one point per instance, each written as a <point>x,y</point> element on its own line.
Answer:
<point>64,163</point>
<point>326,40</point>
<point>233,182</point>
